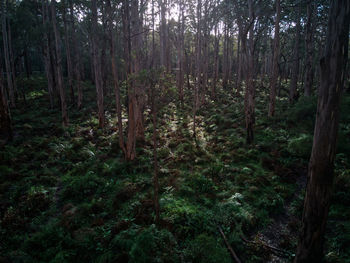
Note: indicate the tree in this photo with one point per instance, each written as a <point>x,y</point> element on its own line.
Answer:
<point>58,65</point>
<point>309,44</point>
<point>76,57</point>
<point>47,53</point>
<point>321,165</point>
<point>67,33</point>
<point>276,54</point>
<point>115,74</point>
<point>9,72</point>
<point>5,118</point>
<point>295,70</point>
<point>97,65</point>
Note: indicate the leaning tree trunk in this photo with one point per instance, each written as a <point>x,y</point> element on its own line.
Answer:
<point>59,76</point>
<point>97,65</point>
<point>321,166</point>
<point>276,53</point>
<point>7,57</point>
<point>296,62</point>
<point>309,44</point>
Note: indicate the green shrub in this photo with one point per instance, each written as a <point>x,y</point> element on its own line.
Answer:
<point>301,146</point>
<point>206,249</point>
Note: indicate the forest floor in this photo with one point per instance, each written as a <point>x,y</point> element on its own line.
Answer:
<point>67,195</point>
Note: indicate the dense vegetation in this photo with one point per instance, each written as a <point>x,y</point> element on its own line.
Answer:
<point>174,131</point>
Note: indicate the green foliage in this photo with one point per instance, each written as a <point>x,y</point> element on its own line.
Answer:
<point>301,145</point>
<point>206,249</point>
<point>304,110</point>
<point>67,195</point>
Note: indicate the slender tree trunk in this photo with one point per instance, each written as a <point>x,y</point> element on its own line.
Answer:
<point>216,61</point>
<point>68,53</point>
<point>163,35</point>
<point>321,166</point>
<point>295,70</point>
<point>47,57</point>
<point>309,44</point>
<point>180,54</point>
<point>7,56</point>
<point>239,66</point>
<point>12,59</point>
<point>250,89</point>
<point>131,135</point>
<point>115,75</point>
<point>225,57</point>
<point>198,84</point>
<point>59,76</point>
<point>276,54</point>
<point>136,44</point>
<point>5,117</point>
<point>97,65</point>
<point>76,57</point>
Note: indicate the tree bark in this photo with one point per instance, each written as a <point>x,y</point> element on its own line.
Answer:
<point>163,35</point>
<point>321,165</point>
<point>249,100</point>
<point>58,65</point>
<point>97,65</point>
<point>68,52</point>
<point>309,44</point>
<point>12,59</point>
<point>47,57</point>
<point>276,54</point>
<point>180,53</point>
<point>5,117</point>
<point>76,57</point>
<point>10,86</point>
<point>115,75</point>
<point>295,71</point>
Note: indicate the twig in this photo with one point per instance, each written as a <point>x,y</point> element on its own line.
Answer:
<point>233,253</point>
<point>266,245</point>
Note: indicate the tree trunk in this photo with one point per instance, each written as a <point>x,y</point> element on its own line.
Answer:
<point>309,44</point>
<point>239,66</point>
<point>59,76</point>
<point>131,100</point>
<point>12,59</point>
<point>7,57</point>
<point>76,57</point>
<point>68,53</point>
<point>216,61</point>
<point>295,71</point>
<point>163,35</point>
<point>5,117</point>
<point>321,166</point>
<point>47,57</point>
<point>276,54</point>
<point>97,65</point>
<point>115,75</point>
<point>250,89</point>
<point>180,53</point>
